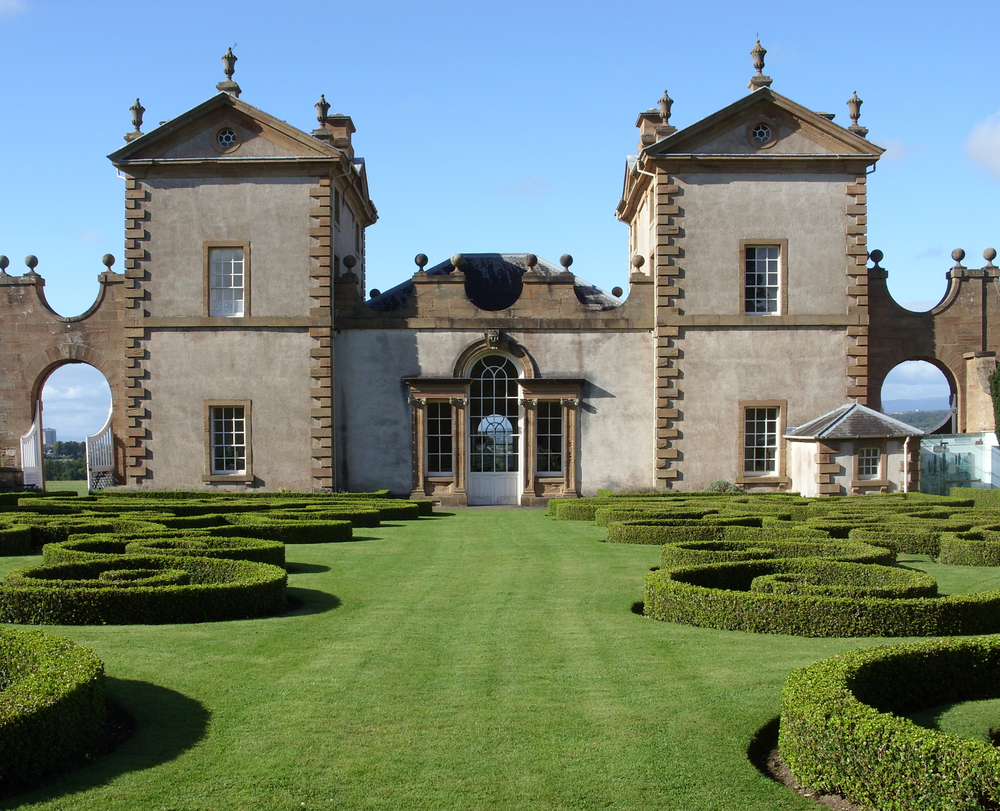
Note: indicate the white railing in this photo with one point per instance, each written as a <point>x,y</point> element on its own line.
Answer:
<point>101,458</point>
<point>31,452</point>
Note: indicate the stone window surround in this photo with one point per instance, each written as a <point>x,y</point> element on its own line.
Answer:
<point>221,478</point>
<point>422,390</point>
<point>779,477</point>
<point>782,246</point>
<point>881,480</point>
<point>226,125</point>
<point>207,248</point>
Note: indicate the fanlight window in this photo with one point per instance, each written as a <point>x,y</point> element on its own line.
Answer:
<point>493,416</point>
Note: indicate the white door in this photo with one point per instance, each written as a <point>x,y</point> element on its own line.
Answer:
<point>32,453</point>
<point>494,432</point>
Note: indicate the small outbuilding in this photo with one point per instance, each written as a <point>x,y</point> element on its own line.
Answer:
<point>854,450</point>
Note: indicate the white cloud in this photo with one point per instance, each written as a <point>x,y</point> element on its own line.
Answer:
<point>983,145</point>
<point>84,236</point>
<point>75,400</point>
<point>11,8</point>
<point>921,306</point>
<point>896,150</point>
<point>526,187</point>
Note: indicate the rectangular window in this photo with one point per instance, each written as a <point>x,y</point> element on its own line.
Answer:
<point>227,282</point>
<point>760,441</point>
<point>228,434</point>
<point>762,279</point>
<point>439,439</point>
<point>869,462</point>
<point>549,437</point>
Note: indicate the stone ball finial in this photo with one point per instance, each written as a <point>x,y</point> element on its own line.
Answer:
<point>350,261</point>
<point>531,260</point>
<point>958,255</point>
<point>375,293</point>
<point>989,255</point>
<point>31,261</point>
<point>107,260</point>
<point>617,292</point>
<point>566,260</point>
<point>421,260</point>
<point>876,256</point>
<point>457,260</point>
<point>4,262</point>
<point>638,261</point>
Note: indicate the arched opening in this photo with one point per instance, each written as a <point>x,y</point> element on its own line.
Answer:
<point>76,404</point>
<point>494,431</point>
<point>920,393</point>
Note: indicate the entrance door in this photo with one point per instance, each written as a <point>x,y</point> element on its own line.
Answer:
<point>494,432</point>
<point>32,453</point>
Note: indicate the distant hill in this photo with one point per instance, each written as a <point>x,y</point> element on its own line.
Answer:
<point>924,420</point>
<point>904,406</point>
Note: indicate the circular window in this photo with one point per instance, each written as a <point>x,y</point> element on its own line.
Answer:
<point>761,133</point>
<point>227,137</point>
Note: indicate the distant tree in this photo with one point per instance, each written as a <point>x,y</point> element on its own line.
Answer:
<point>995,394</point>
<point>65,470</point>
<point>69,450</point>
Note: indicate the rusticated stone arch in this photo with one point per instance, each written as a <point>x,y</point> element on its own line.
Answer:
<point>35,341</point>
<point>960,336</point>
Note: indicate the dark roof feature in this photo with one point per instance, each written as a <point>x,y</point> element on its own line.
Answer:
<point>853,421</point>
<point>493,281</point>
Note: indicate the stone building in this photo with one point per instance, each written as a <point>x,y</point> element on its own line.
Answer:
<point>242,350</point>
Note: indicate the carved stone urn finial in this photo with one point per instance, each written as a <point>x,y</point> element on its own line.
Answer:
<point>854,111</point>
<point>322,108</point>
<point>229,68</point>
<point>137,110</point>
<point>759,80</point>
<point>665,104</point>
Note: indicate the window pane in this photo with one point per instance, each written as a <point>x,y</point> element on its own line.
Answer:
<point>226,281</point>
<point>439,451</point>
<point>493,416</point>
<point>229,448</point>
<point>549,437</point>
<point>760,441</point>
<point>761,279</point>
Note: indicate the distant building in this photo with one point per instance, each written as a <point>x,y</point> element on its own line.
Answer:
<point>49,435</point>
<point>242,351</point>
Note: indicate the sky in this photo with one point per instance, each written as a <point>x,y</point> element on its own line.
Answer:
<point>496,127</point>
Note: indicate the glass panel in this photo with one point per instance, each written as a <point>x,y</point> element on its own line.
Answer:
<point>439,452</point>
<point>229,449</point>
<point>549,438</point>
<point>760,441</point>
<point>868,462</point>
<point>226,281</point>
<point>762,279</point>
<point>494,416</point>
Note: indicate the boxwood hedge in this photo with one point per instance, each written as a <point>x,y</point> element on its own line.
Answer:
<point>87,546</point>
<point>843,731</point>
<point>51,704</point>
<point>694,553</point>
<point>15,540</point>
<point>977,547</point>
<point>76,594</point>
<point>719,596</point>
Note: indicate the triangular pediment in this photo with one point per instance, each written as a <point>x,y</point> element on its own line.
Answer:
<point>252,133</point>
<point>764,123</point>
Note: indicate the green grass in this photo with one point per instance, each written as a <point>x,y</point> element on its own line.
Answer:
<point>486,660</point>
<point>73,486</point>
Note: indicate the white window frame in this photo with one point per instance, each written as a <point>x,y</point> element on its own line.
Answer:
<point>227,280</point>
<point>546,453</point>
<point>749,446</point>
<point>866,455</point>
<point>228,437</point>
<point>440,432</point>
<point>763,278</point>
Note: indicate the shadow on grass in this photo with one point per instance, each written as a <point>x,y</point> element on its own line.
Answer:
<point>437,514</point>
<point>167,724</point>
<point>302,602</point>
<point>305,568</point>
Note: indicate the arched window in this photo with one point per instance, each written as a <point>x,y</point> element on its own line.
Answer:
<point>493,416</point>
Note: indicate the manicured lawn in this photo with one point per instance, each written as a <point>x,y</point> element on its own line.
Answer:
<point>483,660</point>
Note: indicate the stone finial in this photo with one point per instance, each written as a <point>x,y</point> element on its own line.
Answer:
<point>457,260</point>
<point>759,80</point>
<point>530,260</point>
<point>958,255</point>
<point>31,261</point>
<point>137,110</point>
<point>854,111</point>
<point>108,260</point>
<point>665,103</point>
<point>638,260</point>
<point>322,108</point>
<point>565,260</point>
<point>4,264</point>
<point>229,68</point>
<point>349,262</point>
<point>421,260</point>
<point>989,255</point>
<point>617,292</point>
<point>375,293</point>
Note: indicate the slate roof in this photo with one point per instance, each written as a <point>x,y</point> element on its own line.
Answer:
<point>852,421</point>
<point>493,282</point>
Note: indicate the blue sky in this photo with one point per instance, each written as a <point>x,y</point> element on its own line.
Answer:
<point>496,127</point>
